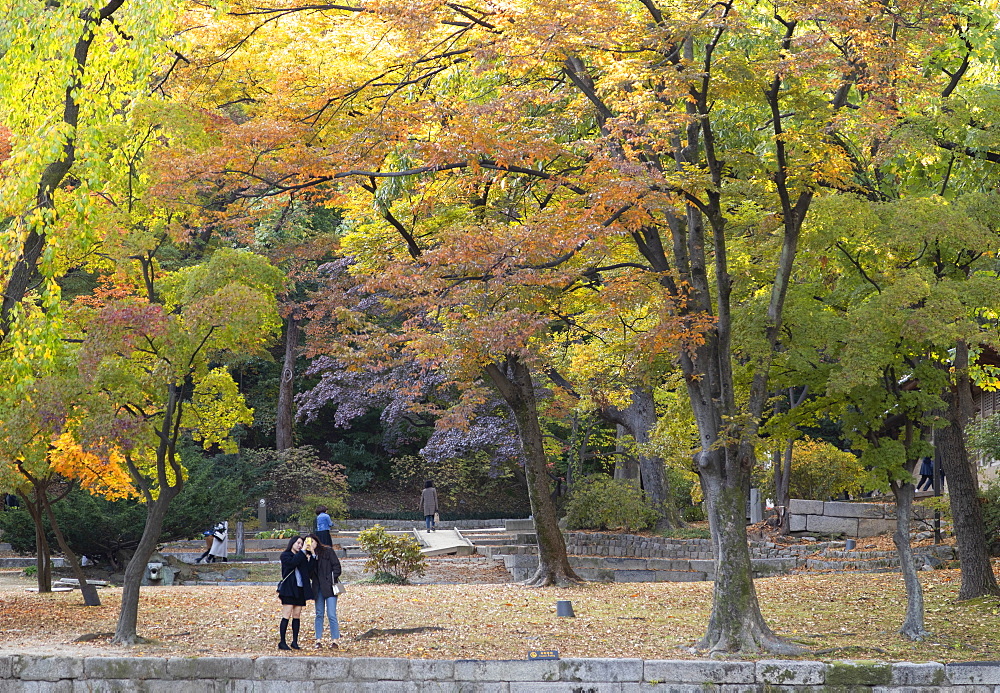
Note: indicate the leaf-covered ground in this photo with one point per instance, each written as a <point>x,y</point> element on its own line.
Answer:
<point>838,616</point>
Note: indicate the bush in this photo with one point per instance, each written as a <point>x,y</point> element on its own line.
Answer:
<point>396,555</point>
<point>278,534</point>
<point>296,473</point>
<point>821,471</point>
<point>600,502</point>
<point>336,508</point>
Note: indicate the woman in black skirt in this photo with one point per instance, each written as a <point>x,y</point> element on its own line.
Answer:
<point>297,563</point>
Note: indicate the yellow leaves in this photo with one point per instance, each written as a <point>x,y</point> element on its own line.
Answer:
<point>103,475</point>
<point>216,408</point>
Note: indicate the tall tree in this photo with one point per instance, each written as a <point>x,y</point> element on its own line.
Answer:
<point>513,159</point>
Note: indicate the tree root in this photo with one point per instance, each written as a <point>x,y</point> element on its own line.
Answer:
<point>749,641</point>
<point>90,637</point>
<point>550,580</point>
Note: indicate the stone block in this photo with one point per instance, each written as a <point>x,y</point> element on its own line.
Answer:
<point>840,509</point>
<point>587,562</point>
<point>145,686</point>
<point>628,563</point>
<point>797,506</point>
<point>668,688</point>
<point>790,673</point>
<point>506,670</point>
<point>871,528</point>
<point>361,687</point>
<point>15,686</point>
<point>380,668</point>
<point>8,664</point>
<point>698,672</point>
<point>561,688</point>
<point>220,668</point>
<point>702,565</point>
<point>973,673</point>
<point>680,576</point>
<point>849,673</point>
<point>923,674</point>
<point>797,523</point>
<point>283,668</point>
<point>125,667</point>
<point>636,575</point>
<point>461,687</point>
<point>330,668</point>
<point>832,525</point>
<point>41,668</point>
<point>763,567</point>
<point>432,669</point>
<point>523,525</point>
<point>602,670</point>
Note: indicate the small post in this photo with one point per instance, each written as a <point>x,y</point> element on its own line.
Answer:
<point>262,513</point>
<point>564,607</point>
<point>240,539</point>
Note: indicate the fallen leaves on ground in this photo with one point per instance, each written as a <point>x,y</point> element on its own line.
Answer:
<point>837,616</point>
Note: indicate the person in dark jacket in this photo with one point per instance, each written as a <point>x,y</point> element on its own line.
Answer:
<point>429,504</point>
<point>297,561</point>
<point>326,573</point>
<point>926,474</point>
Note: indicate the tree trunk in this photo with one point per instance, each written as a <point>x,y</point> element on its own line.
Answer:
<point>285,418</point>
<point>978,579</point>
<point>43,553</point>
<point>514,382</point>
<point>89,592</point>
<point>639,419</point>
<point>626,465</point>
<point>125,632</point>
<point>736,623</point>
<point>913,624</point>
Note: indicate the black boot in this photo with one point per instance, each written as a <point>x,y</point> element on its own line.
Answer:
<point>283,627</point>
<point>295,633</point>
<point>202,557</point>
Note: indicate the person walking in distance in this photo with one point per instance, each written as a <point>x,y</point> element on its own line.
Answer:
<point>325,576</point>
<point>926,474</point>
<point>297,561</point>
<point>323,524</point>
<point>429,504</point>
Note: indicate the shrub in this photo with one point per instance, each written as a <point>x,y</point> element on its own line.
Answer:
<point>600,502</point>
<point>821,471</point>
<point>278,534</point>
<point>296,473</point>
<point>336,508</point>
<point>396,555</point>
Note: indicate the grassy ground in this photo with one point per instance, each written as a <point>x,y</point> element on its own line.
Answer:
<point>837,616</point>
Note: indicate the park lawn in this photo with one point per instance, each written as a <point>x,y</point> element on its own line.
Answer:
<point>837,616</point>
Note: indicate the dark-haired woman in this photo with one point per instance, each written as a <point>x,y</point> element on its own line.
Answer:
<point>297,563</point>
<point>429,504</point>
<point>326,573</point>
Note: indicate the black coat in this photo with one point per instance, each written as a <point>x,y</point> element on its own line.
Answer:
<point>326,571</point>
<point>288,586</point>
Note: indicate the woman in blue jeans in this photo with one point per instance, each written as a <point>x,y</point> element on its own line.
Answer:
<point>326,572</point>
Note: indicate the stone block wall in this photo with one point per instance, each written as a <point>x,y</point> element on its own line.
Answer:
<point>63,674</point>
<point>848,519</point>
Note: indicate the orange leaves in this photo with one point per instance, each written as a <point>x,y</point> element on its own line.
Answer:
<point>99,474</point>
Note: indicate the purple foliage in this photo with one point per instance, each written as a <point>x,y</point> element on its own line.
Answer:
<point>496,434</point>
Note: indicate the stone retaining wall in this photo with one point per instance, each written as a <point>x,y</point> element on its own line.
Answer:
<point>61,674</point>
<point>848,519</point>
